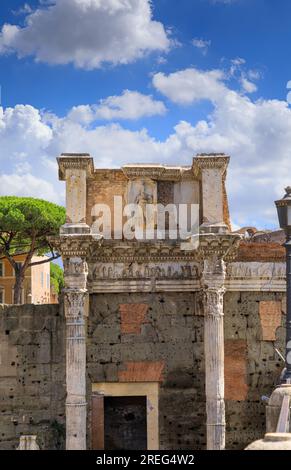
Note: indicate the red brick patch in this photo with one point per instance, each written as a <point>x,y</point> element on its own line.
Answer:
<point>132,316</point>
<point>249,251</point>
<point>271,317</point>
<point>235,369</point>
<point>142,372</point>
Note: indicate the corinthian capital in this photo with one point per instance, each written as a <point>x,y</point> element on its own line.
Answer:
<point>75,302</point>
<point>214,273</point>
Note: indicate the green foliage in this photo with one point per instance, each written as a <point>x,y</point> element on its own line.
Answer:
<point>58,435</point>
<point>24,220</point>
<point>57,277</point>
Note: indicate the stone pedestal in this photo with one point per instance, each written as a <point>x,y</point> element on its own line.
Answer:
<point>274,406</point>
<point>272,441</point>
<point>28,443</point>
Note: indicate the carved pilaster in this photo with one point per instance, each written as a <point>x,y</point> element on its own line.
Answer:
<point>212,171</point>
<point>75,169</point>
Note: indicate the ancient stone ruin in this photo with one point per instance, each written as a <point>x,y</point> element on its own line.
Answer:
<point>159,343</point>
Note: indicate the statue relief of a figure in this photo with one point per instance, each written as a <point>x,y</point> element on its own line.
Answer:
<point>143,199</point>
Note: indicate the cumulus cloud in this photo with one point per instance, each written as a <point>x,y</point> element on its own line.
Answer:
<point>190,85</point>
<point>27,185</point>
<point>256,133</point>
<point>87,33</point>
<point>128,105</point>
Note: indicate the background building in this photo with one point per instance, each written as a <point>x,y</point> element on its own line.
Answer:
<point>36,288</point>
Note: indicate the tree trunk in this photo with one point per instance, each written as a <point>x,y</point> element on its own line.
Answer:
<point>19,279</point>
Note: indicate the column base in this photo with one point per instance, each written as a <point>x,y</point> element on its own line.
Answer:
<point>76,417</point>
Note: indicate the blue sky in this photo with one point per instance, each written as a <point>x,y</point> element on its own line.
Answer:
<point>140,81</point>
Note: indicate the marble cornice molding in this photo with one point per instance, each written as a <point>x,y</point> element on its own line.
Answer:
<point>94,249</point>
<point>210,162</point>
<point>222,246</point>
<point>158,172</point>
<point>141,252</point>
<point>75,245</point>
<point>81,161</point>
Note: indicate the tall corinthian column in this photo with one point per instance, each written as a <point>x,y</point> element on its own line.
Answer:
<point>75,304</point>
<point>213,283</point>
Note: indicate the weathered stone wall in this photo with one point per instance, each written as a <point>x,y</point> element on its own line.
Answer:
<point>162,342</point>
<point>159,337</point>
<point>32,375</point>
<point>254,327</point>
<point>142,337</point>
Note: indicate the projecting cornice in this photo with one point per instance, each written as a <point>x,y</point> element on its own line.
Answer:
<point>74,245</point>
<point>157,172</point>
<point>76,161</point>
<point>210,161</point>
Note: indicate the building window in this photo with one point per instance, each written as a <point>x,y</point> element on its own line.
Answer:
<point>1,269</point>
<point>1,295</point>
<point>48,280</point>
<point>41,278</point>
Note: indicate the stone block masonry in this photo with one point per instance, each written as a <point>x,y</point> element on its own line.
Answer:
<point>163,345</point>
<point>252,366</point>
<point>32,375</point>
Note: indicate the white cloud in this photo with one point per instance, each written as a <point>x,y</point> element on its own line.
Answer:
<point>257,135</point>
<point>190,85</point>
<point>128,105</point>
<point>87,33</point>
<point>27,185</point>
<point>201,44</point>
<point>248,86</point>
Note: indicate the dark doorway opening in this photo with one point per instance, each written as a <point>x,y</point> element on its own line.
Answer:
<point>125,423</point>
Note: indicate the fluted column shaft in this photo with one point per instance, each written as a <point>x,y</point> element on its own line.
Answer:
<point>75,301</point>
<point>213,283</point>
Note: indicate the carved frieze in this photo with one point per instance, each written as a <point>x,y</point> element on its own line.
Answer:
<point>256,270</point>
<point>109,271</point>
<point>256,276</point>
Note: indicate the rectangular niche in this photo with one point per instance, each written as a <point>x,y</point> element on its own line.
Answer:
<point>125,416</point>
